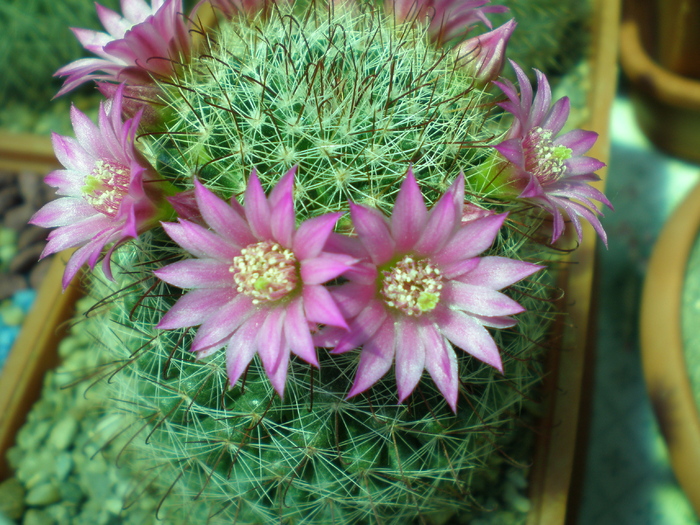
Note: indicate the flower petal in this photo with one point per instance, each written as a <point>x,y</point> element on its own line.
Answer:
<point>409,214</point>
<point>410,357</point>
<point>312,234</point>
<point>194,308</point>
<point>222,324</point>
<point>478,300</point>
<point>441,363</point>
<point>471,239</point>
<point>325,267</point>
<point>197,273</point>
<point>375,359</point>
<point>241,347</point>
<point>373,231</point>
<point>469,335</point>
<point>281,202</point>
<point>297,334</point>
<point>257,209</point>
<point>363,327</point>
<point>200,242</point>
<point>498,272</point>
<point>320,307</point>
<point>222,218</point>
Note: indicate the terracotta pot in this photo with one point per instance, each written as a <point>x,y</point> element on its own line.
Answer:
<point>663,358</point>
<point>666,104</point>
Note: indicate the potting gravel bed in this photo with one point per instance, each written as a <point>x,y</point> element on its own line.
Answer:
<point>21,244</point>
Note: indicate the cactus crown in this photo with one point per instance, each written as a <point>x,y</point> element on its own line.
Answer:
<point>348,95</point>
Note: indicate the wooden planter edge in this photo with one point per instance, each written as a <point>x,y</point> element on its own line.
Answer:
<point>663,358</point>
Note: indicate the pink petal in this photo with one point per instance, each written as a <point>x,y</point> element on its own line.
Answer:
<point>375,359</point>
<point>466,333</point>
<point>320,307</point>
<point>272,346</point>
<point>79,258</point>
<point>353,297</point>
<point>223,323</point>
<point>578,141</point>
<point>452,271</point>
<point>325,267</point>
<point>478,300</point>
<point>498,272</point>
<point>363,327</point>
<point>439,227</point>
<point>281,204</point>
<point>221,217</point>
<point>78,233</point>
<point>257,209</point>
<point>471,239</point>
<point>197,273</point>
<point>312,234</point>
<point>581,165</point>
<point>241,347</point>
<point>441,363</point>
<point>410,357</point>
<point>557,116</point>
<point>194,308</point>
<point>297,334</point>
<point>73,156</point>
<point>373,231</point>
<point>62,212</point>
<point>409,215</point>
<point>200,242</point>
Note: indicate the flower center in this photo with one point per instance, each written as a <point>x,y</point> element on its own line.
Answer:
<point>542,158</point>
<point>412,286</point>
<point>265,271</point>
<point>106,186</point>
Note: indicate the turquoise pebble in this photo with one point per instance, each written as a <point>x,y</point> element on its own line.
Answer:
<point>24,299</point>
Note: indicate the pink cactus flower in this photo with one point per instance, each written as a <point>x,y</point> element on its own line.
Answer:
<point>422,288</point>
<point>447,19</point>
<point>484,56</point>
<point>104,198</point>
<point>256,280</point>
<point>547,170</point>
<point>146,42</point>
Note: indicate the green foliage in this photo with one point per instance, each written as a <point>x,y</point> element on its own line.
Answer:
<point>37,41</point>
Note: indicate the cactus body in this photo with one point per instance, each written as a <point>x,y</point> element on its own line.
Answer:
<point>353,99</point>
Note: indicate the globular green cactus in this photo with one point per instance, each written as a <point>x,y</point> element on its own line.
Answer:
<point>353,98</point>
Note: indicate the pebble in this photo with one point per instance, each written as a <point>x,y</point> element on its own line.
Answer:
<point>37,517</point>
<point>42,495</point>
<point>24,299</point>
<point>11,315</point>
<point>12,498</point>
<point>63,433</point>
